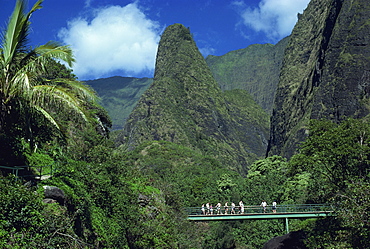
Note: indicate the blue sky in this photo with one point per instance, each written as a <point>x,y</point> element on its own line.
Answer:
<point>120,37</point>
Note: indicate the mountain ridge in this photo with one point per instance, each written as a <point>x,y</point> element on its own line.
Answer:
<point>255,68</point>
<point>267,57</point>
<point>185,105</point>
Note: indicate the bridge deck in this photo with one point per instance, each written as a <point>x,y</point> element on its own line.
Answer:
<point>259,216</point>
<point>257,213</point>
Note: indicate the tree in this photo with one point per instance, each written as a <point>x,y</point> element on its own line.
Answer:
<point>333,154</point>
<point>27,97</point>
<point>265,180</point>
<point>333,167</point>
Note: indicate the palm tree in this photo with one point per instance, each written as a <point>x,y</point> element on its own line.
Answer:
<point>23,90</point>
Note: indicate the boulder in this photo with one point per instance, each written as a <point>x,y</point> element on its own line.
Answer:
<point>143,200</point>
<point>292,240</point>
<point>54,193</point>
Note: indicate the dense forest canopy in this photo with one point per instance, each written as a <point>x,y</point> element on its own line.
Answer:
<point>119,198</point>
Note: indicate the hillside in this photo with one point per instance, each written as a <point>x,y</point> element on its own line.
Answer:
<point>325,73</point>
<point>188,142</point>
<point>119,95</point>
<point>255,69</point>
<point>185,105</point>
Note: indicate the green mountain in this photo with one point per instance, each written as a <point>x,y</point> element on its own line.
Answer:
<point>119,95</point>
<point>186,106</point>
<point>325,73</point>
<point>135,194</point>
<point>255,69</point>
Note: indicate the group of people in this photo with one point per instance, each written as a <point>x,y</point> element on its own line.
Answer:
<point>264,205</point>
<point>208,209</point>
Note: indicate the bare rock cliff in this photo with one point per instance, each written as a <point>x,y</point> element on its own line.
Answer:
<point>325,72</point>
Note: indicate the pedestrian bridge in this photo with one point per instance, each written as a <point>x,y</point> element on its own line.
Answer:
<point>257,212</point>
<point>296,211</point>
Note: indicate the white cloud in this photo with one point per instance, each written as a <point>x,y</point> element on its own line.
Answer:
<point>205,51</point>
<point>274,18</point>
<point>115,38</point>
<point>87,3</point>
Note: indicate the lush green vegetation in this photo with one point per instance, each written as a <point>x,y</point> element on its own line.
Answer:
<point>255,69</point>
<point>119,96</point>
<point>186,106</point>
<point>35,101</point>
<point>135,199</point>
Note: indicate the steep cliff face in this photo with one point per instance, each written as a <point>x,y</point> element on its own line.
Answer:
<point>325,72</point>
<point>185,105</point>
<point>255,69</point>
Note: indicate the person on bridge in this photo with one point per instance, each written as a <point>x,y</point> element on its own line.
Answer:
<point>207,206</point>
<point>241,205</point>
<point>264,205</point>
<point>226,207</point>
<point>211,209</point>
<point>218,208</point>
<point>274,206</point>
<point>232,208</point>
<point>203,210</point>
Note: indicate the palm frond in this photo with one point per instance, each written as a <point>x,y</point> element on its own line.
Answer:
<point>38,60</point>
<point>21,85</point>
<point>48,116</point>
<point>22,70</point>
<point>12,33</point>
<point>79,88</point>
<point>54,50</point>
<point>15,38</point>
<point>58,98</point>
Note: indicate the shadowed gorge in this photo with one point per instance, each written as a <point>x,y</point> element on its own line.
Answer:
<point>119,95</point>
<point>255,69</point>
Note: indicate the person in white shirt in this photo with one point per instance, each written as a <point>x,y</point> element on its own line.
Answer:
<point>226,207</point>
<point>233,208</point>
<point>274,206</point>
<point>241,205</point>
<point>264,205</point>
<point>218,208</point>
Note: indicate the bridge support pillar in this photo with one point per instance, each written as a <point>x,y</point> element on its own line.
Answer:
<point>287,225</point>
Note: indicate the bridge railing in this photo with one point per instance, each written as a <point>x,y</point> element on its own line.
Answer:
<point>20,170</point>
<point>295,208</point>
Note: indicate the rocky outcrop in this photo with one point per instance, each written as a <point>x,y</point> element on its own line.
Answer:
<point>255,69</point>
<point>292,240</point>
<point>186,106</point>
<point>325,72</point>
<point>53,194</point>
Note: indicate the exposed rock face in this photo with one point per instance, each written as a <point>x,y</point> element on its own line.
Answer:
<point>292,240</point>
<point>255,69</point>
<point>54,193</point>
<point>185,105</point>
<point>325,73</point>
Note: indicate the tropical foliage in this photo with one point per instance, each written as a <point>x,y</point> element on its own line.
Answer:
<point>335,160</point>
<point>30,102</point>
<point>135,199</point>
